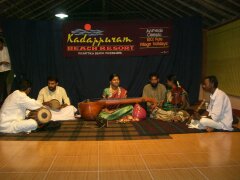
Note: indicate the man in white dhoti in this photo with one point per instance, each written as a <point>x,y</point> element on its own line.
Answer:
<point>13,111</point>
<point>53,91</point>
<point>219,112</point>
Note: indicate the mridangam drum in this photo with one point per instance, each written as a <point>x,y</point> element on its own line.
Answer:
<point>41,115</point>
<point>54,105</point>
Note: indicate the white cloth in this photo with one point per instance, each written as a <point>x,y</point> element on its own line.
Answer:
<point>12,113</point>
<point>60,94</point>
<point>205,122</point>
<point>4,56</point>
<point>220,110</point>
<point>66,113</point>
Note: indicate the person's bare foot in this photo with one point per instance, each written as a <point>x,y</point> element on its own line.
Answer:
<point>136,119</point>
<point>129,117</point>
<point>77,116</point>
<point>122,120</point>
<point>209,129</point>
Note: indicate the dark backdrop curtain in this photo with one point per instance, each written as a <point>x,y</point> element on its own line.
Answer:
<point>36,52</point>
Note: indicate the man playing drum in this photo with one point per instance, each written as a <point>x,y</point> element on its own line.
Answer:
<point>218,114</point>
<point>13,111</point>
<point>53,93</point>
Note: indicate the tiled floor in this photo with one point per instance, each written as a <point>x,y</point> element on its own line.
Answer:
<point>186,156</point>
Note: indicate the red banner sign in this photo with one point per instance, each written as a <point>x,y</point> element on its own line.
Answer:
<point>101,39</point>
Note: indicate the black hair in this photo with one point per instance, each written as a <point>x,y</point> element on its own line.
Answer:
<point>213,80</point>
<point>52,78</point>
<point>1,40</point>
<point>113,76</point>
<point>24,85</point>
<point>154,74</point>
<point>172,78</point>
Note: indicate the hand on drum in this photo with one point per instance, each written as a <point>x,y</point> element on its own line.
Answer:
<point>46,103</point>
<point>64,105</point>
<point>41,115</point>
<point>54,105</point>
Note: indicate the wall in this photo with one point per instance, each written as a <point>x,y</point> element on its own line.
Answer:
<point>221,57</point>
<point>235,100</point>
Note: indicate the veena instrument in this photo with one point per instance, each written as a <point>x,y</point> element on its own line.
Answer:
<point>90,109</point>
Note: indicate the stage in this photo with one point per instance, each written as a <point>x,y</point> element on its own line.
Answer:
<point>181,156</point>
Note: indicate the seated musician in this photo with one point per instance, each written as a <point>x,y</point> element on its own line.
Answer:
<point>53,91</point>
<point>154,90</point>
<point>176,96</point>
<point>175,102</point>
<point>13,111</point>
<point>115,112</point>
<point>219,112</point>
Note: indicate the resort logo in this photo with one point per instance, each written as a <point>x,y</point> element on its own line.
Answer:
<point>87,30</point>
<point>93,37</point>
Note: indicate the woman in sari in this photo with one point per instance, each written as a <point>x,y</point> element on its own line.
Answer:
<point>176,96</point>
<point>115,112</point>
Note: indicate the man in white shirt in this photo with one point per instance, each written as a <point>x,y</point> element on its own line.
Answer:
<point>5,67</point>
<point>13,111</point>
<point>53,91</point>
<point>219,112</point>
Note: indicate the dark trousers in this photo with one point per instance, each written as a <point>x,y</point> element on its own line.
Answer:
<point>3,85</point>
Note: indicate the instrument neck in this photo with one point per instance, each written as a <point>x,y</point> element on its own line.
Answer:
<point>109,102</point>
<point>201,104</point>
